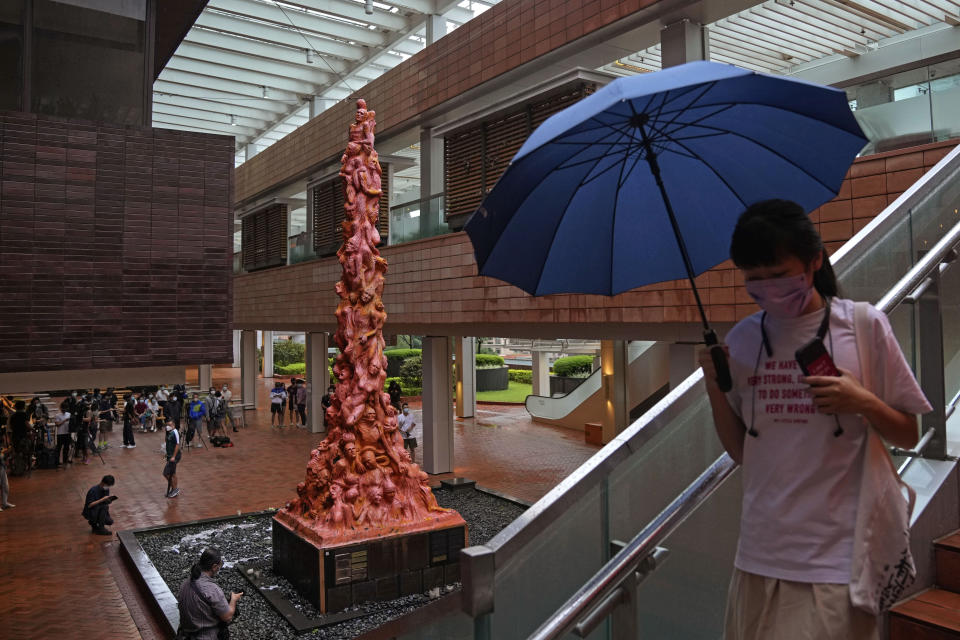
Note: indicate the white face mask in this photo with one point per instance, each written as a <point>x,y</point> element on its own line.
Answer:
<point>406,412</point>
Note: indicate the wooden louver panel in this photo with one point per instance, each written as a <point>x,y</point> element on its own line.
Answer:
<point>328,214</point>
<point>475,158</point>
<point>263,238</point>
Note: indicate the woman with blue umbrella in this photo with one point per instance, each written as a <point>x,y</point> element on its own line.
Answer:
<point>645,181</point>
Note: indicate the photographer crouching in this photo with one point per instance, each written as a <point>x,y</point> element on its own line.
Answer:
<point>205,612</point>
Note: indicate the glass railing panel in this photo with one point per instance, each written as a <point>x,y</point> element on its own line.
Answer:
<point>685,596</point>
<point>418,220</point>
<point>300,248</point>
<point>452,625</point>
<point>950,305</point>
<point>549,570</point>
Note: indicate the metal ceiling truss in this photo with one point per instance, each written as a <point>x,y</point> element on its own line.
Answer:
<point>250,67</point>
<point>777,35</point>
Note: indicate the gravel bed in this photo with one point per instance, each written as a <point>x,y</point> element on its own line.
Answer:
<point>249,540</point>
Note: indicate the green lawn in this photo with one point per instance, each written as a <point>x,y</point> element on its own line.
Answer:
<point>516,392</point>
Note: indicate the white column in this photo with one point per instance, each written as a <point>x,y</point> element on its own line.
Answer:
<point>318,378</point>
<point>205,376</point>
<point>267,354</point>
<point>541,374</point>
<point>437,405</point>
<point>431,164</point>
<point>683,41</point>
<point>436,28</point>
<point>613,371</point>
<point>248,368</point>
<point>318,105</point>
<point>466,383</point>
<point>236,348</point>
<point>683,362</point>
<point>249,151</point>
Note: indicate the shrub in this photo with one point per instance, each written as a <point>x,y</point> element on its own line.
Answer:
<point>573,366</point>
<point>521,375</point>
<point>288,352</point>
<point>395,358</point>
<point>488,361</point>
<point>411,371</point>
<point>292,369</point>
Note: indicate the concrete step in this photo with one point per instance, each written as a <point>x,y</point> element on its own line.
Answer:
<point>947,557</point>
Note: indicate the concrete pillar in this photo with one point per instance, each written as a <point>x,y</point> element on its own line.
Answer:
<point>205,376</point>
<point>318,105</point>
<point>683,41</point>
<point>541,373</point>
<point>248,368</point>
<point>437,405</point>
<point>236,348</point>
<point>249,151</point>
<point>683,362</point>
<point>613,371</point>
<point>465,350</point>
<point>431,164</point>
<point>318,378</point>
<point>436,28</point>
<point>267,354</point>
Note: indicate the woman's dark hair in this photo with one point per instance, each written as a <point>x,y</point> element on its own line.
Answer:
<point>208,558</point>
<point>771,230</point>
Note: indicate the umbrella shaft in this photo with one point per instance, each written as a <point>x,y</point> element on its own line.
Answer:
<point>655,170</point>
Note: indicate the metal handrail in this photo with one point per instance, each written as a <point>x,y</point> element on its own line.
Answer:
<point>913,454</point>
<point>910,286</point>
<point>625,563</point>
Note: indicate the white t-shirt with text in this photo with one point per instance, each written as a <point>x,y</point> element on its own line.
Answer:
<point>800,481</point>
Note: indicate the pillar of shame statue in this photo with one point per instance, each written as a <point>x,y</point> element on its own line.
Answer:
<point>360,481</point>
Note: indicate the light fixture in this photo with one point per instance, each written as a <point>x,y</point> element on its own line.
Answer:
<point>233,120</point>
<point>309,56</point>
<point>264,87</point>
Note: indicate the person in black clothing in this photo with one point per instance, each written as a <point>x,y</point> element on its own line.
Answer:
<point>395,392</point>
<point>292,401</point>
<point>326,401</point>
<point>174,409</point>
<point>96,507</point>
<point>129,419</point>
<point>111,416</point>
<point>20,439</point>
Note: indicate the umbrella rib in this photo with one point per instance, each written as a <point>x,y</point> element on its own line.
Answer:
<point>692,123</point>
<point>565,165</point>
<point>784,109</point>
<point>613,223</point>
<point>706,89</point>
<point>715,172</point>
<point>763,146</point>
<point>556,229</point>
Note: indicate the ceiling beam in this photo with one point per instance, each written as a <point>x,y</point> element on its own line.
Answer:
<point>224,129</point>
<point>384,20</point>
<point>302,21</point>
<point>208,116</point>
<point>239,109</point>
<point>191,90</point>
<point>240,88</point>
<point>252,76</point>
<point>311,73</point>
<point>274,34</point>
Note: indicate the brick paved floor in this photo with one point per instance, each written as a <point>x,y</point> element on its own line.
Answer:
<point>55,578</point>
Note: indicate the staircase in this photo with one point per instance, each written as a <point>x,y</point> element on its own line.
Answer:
<point>933,614</point>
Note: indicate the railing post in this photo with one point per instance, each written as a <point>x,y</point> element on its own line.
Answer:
<point>930,339</point>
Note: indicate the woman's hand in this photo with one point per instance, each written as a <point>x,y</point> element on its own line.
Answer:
<point>839,395</point>
<point>709,370</point>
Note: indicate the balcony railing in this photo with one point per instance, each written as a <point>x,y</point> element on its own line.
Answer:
<point>417,220</point>
<point>300,248</point>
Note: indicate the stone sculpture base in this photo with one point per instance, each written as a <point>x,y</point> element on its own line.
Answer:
<point>387,564</point>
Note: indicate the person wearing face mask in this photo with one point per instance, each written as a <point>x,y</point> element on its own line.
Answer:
<point>173,457</point>
<point>406,424</point>
<point>204,608</point>
<point>153,410</point>
<point>801,440</point>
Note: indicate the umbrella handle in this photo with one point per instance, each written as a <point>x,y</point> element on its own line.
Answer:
<point>719,357</point>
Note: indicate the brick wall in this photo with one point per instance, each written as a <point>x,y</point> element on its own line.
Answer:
<point>432,286</point>
<point>115,245</point>
<point>504,37</point>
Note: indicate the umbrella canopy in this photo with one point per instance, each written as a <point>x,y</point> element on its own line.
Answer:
<point>579,209</point>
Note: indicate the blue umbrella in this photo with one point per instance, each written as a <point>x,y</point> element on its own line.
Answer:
<point>644,180</point>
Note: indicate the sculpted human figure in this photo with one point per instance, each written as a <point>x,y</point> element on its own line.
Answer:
<point>360,477</point>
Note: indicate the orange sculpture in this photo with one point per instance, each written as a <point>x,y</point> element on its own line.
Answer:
<point>360,481</point>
